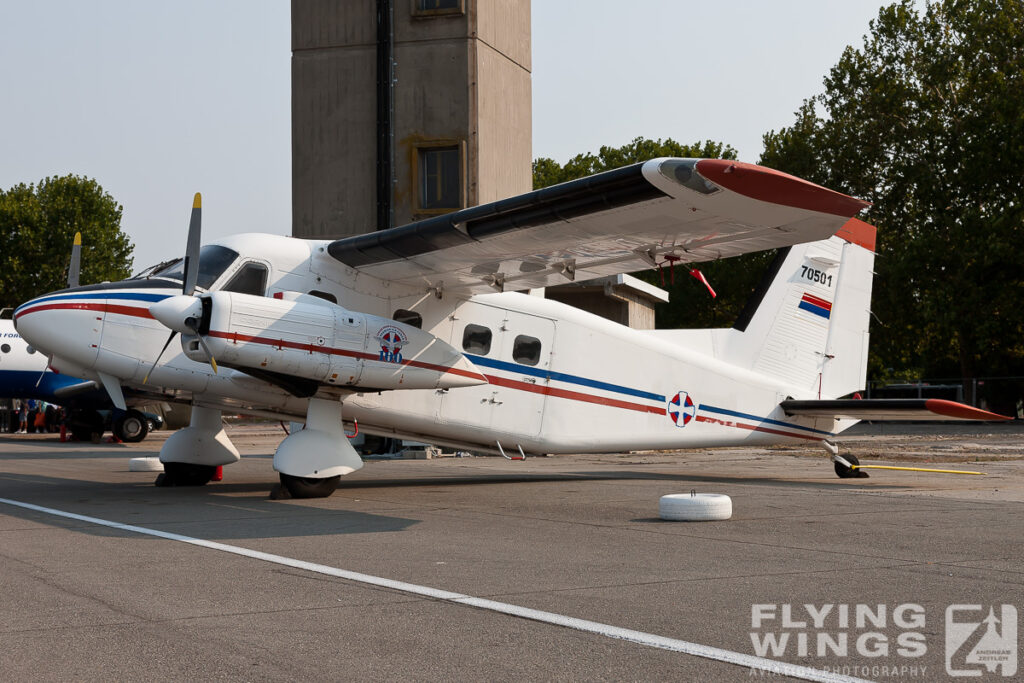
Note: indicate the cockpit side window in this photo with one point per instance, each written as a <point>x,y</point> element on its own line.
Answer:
<point>213,261</point>
<point>250,279</point>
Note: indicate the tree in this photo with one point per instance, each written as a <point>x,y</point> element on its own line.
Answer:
<point>690,305</point>
<point>37,226</point>
<point>926,120</point>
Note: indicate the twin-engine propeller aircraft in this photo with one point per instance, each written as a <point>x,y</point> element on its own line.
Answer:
<point>414,332</point>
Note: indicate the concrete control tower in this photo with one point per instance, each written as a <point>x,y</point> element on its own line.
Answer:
<point>405,109</point>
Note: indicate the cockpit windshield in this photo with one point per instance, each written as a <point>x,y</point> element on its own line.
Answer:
<point>213,261</point>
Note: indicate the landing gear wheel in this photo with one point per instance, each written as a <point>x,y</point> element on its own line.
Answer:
<point>86,425</point>
<point>131,427</point>
<point>308,487</point>
<point>185,474</point>
<point>845,472</point>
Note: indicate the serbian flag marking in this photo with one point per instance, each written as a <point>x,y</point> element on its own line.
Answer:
<point>813,304</point>
<point>681,409</point>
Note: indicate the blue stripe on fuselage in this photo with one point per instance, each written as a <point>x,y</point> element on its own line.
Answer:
<point>562,377</point>
<point>100,294</point>
<point>748,416</point>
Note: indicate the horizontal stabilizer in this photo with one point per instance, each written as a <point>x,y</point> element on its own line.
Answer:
<point>889,409</point>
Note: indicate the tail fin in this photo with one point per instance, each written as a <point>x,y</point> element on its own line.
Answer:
<point>808,323</point>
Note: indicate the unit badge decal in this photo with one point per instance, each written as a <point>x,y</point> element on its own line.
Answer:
<point>681,409</point>
<point>391,339</point>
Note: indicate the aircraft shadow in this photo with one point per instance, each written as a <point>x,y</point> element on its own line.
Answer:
<point>200,512</point>
<point>624,475</point>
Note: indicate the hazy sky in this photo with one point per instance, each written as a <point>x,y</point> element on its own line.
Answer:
<point>159,100</point>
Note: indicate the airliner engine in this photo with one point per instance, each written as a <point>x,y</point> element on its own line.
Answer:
<point>316,341</point>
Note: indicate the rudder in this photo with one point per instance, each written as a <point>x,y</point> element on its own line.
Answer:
<point>808,323</point>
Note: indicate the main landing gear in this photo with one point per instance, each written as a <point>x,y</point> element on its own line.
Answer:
<point>311,461</point>
<point>845,466</point>
<point>191,455</point>
<point>131,427</point>
<point>185,474</point>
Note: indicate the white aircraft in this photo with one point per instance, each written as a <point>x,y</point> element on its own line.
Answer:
<point>412,332</point>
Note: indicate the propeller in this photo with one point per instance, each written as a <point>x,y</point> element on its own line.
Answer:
<point>74,268</point>
<point>183,314</point>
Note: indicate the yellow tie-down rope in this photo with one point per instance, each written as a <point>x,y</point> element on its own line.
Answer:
<point>913,469</point>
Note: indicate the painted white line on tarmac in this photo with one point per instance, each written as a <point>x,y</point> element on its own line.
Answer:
<point>638,637</point>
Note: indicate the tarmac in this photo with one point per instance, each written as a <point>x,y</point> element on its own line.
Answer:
<point>481,568</point>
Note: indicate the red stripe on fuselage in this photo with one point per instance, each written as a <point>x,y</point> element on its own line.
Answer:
<point>574,395</point>
<point>755,428</point>
<point>312,348</point>
<point>134,311</point>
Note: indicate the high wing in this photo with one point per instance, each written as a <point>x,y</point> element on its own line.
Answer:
<point>661,211</point>
<point>889,409</point>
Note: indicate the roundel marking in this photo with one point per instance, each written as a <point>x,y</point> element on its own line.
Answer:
<point>681,409</point>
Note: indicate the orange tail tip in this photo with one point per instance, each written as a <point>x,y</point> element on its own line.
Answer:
<point>961,411</point>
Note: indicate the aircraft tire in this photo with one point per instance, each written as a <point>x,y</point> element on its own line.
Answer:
<point>185,474</point>
<point>307,487</point>
<point>695,507</point>
<point>844,472</point>
<point>86,425</point>
<point>131,427</point>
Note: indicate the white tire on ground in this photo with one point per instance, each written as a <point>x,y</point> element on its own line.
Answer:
<point>699,507</point>
<point>152,464</point>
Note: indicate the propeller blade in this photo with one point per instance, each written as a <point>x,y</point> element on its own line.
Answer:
<point>159,355</point>
<point>74,268</point>
<point>213,361</point>
<point>191,271</point>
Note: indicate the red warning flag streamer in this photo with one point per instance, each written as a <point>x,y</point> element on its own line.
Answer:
<point>700,276</point>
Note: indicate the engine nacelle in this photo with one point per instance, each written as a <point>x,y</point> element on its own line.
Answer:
<point>326,343</point>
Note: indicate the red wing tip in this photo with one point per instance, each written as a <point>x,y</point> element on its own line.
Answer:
<point>959,410</point>
<point>768,185</point>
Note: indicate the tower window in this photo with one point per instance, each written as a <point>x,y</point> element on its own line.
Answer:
<point>436,7</point>
<point>439,177</point>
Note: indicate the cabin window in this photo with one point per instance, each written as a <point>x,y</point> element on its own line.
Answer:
<point>251,279</point>
<point>526,350</point>
<point>326,296</point>
<point>476,339</point>
<point>411,318</point>
<point>30,349</point>
<point>6,348</point>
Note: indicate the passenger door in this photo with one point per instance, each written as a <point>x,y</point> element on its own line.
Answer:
<point>514,350</point>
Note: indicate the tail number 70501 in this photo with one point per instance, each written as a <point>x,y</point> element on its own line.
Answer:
<point>815,275</point>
